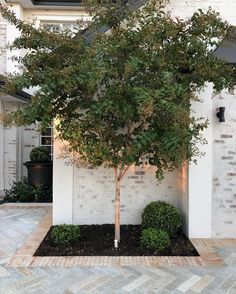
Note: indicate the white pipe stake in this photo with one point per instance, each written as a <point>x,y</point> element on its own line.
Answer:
<point>116,244</point>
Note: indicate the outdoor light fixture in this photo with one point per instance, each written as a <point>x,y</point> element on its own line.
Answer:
<point>221,114</point>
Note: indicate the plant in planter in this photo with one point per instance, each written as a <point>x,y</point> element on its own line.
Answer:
<point>39,168</point>
<point>40,154</point>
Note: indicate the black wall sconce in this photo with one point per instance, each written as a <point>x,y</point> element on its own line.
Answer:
<point>221,114</point>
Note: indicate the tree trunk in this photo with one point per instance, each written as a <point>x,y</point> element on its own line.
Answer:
<point>117,210</point>
<point>119,174</point>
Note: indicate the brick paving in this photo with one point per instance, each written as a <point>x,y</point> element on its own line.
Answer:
<point>19,227</point>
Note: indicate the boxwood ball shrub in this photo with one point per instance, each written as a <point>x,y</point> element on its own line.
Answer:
<point>64,234</point>
<point>162,216</point>
<point>40,154</point>
<point>155,239</point>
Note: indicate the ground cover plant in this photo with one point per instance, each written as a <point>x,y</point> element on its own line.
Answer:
<point>122,98</point>
<point>23,192</point>
<point>64,234</point>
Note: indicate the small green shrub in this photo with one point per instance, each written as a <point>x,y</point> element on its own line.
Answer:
<point>64,234</point>
<point>162,216</point>
<point>23,192</point>
<point>43,194</point>
<point>19,192</point>
<point>155,239</point>
<point>40,154</point>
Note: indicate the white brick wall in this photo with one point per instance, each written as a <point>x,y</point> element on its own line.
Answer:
<point>224,169</point>
<point>17,144</point>
<point>185,8</point>
<point>10,149</point>
<point>94,194</point>
<point>3,36</point>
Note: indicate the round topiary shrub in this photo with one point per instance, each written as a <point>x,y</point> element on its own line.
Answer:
<point>162,216</point>
<point>64,234</point>
<point>40,154</point>
<point>155,239</point>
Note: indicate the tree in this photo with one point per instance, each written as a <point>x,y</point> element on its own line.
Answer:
<point>124,97</point>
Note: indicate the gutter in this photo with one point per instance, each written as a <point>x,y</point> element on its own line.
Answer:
<point>19,94</point>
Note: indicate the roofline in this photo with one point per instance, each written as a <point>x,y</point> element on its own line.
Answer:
<point>57,3</point>
<point>19,94</point>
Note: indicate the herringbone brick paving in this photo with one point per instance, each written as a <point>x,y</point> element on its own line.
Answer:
<point>18,223</point>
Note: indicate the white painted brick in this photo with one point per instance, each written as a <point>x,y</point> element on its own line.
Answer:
<point>94,194</point>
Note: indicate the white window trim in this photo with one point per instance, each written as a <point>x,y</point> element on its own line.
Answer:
<point>59,18</point>
<point>52,140</point>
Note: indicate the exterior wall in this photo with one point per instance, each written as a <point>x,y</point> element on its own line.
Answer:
<point>183,197</point>
<point>16,144</point>
<point>185,8</point>
<point>1,153</point>
<point>94,189</point>
<point>224,169</point>
<point>222,137</point>
<point>63,182</point>
<point>10,163</point>
<point>3,39</point>
<point>53,15</point>
<point>200,175</point>
<point>12,34</point>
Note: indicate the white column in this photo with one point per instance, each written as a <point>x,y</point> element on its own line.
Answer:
<point>12,34</point>
<point>200,176</point>
<point>1,152</point>
<point>62,188</point>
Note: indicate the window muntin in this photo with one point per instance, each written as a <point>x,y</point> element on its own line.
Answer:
<point>46,140</point>
<point>61,26</point>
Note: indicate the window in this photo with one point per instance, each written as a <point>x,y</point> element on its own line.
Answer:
<point>56,27</point>
<point>46,140</point>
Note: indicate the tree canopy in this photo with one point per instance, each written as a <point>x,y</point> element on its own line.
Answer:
<point>125,94</point>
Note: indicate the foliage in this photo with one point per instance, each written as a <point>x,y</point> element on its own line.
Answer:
<point>163,216</point>
<point>40,154</point>
<point>125,94</point>
<point>19,191</point>
<point>23,192</point>
<point>43,194</point>
<point>155,239</point>
<point>64,234</point>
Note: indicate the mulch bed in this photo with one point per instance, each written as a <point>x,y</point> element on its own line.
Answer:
<point>98,240</point>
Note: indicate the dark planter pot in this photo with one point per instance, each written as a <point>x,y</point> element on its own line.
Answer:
<point>39,173</point>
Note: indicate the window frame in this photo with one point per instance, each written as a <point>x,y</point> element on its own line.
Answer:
<point>41,136</point>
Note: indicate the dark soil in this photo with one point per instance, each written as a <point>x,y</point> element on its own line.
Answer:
<point>97,240</point>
